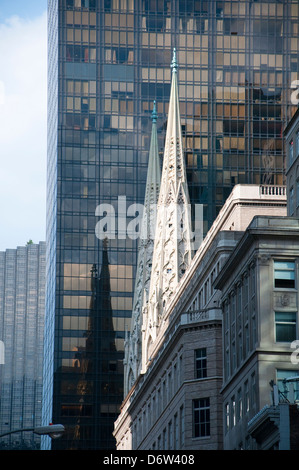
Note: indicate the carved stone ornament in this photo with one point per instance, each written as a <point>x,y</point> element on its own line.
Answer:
<point>285,300</point>
<point>264,259</point>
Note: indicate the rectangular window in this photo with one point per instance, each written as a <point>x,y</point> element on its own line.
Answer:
<point>182,427</point>
<point>291,201</point>
<point>233,411</point>
<point>164,394</point>
<point>239,405</point>
<point>226,417</point>
<point>170,436</point>
<point>169,386</point>
<point>201,417</point>
<point>284,274</point>
<point>291,151</point>
<point>253,391</point>
<point>164,439</point>
<point>285,326</point>
<point>246,397</point>
<point>176,432</point>
<point>200,363</point>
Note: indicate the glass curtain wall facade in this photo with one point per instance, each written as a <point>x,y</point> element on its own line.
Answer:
<point>22,314</point>
<point>108,61</point>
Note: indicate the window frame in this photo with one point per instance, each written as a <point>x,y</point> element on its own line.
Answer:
<point>201,414</point>
<point>291,200</point>
<point>291,152</point>
<point>285,323</point>
<point>200,363</point>
<point>277,268</point>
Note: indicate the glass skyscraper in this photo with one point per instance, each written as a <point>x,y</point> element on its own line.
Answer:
<point>108,61</point>
<point>22,314</point>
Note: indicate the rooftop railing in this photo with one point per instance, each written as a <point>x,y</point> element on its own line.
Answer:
<point>272,190</point>
<point>194,316</point>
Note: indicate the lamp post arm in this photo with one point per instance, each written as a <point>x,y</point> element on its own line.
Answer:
<point>53,430</point>
<point>16,430</point>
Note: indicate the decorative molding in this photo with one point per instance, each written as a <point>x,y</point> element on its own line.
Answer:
<point>284,299</point>
<point>264,259</point>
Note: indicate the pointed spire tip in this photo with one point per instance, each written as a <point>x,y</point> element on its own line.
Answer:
<point>174,64</point>
<point>154,113</point>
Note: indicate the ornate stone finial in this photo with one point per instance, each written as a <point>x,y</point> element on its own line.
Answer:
<point>154,113</point>
<point>174,64</point>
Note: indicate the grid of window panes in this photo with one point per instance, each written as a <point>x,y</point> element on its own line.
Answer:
<point>201,417</point>
<point>200,363</point>
<point>285,326</point>
<point>284,274</point>
<point>237,60</point>
<point>22,299</point>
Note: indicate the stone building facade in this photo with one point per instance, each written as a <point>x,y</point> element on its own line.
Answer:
<point>259,298</point>
<point>177,403</point>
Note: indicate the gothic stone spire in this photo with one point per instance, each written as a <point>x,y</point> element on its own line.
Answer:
<point>172,247</point>
<point>144,261</point>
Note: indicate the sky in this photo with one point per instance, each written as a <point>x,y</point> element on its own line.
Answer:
<point>23,121</point>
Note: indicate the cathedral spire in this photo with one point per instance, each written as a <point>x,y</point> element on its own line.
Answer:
<point>144,262</point>
<point>172,247</point>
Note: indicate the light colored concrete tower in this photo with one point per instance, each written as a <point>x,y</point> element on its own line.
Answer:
<point>172,246</point>
<point>132,361</point>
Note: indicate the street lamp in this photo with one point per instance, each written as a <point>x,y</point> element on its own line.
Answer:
<point>53,430</point>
